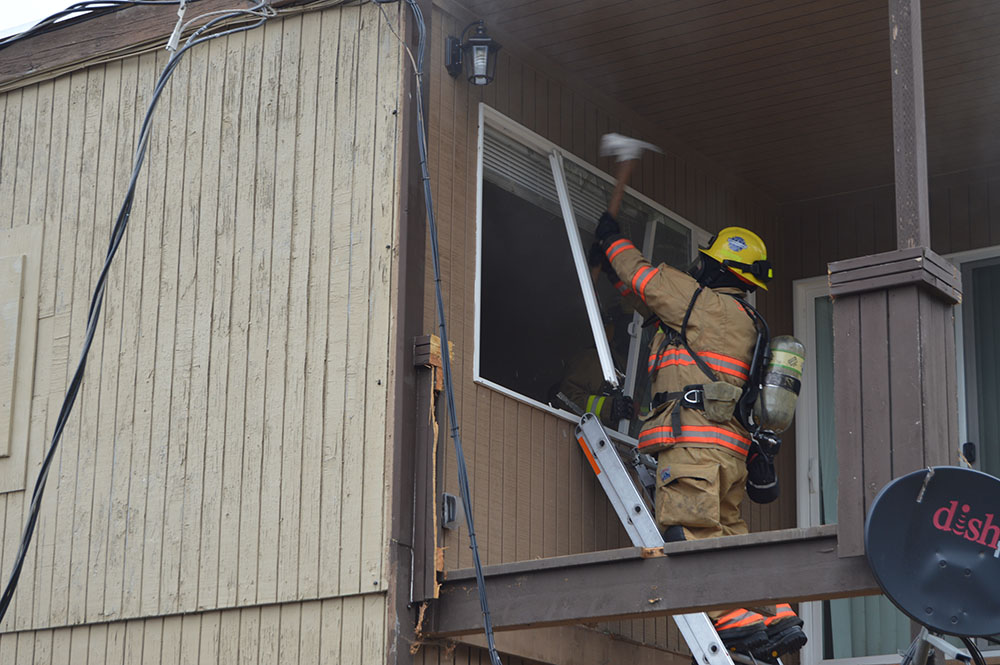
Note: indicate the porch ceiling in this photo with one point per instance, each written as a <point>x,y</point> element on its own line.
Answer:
<point>792,95</point>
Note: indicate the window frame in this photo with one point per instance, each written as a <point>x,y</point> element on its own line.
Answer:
<point>513,130</point>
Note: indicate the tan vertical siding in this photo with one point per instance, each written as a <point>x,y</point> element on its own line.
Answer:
<point>340,630</point>
<point>228,445</point>
<point>532,493</point>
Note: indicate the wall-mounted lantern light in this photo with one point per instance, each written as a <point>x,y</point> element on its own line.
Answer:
<point>478,52</point>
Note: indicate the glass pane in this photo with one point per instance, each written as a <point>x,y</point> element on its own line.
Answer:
<point>589,195</point>
<point>824,406</point>
<point>852,627</point>
<point>533,317</point>
<point>986,317</point>
<point>671,245</point>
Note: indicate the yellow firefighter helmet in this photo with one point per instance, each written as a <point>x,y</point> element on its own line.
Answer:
<point>743,253</point>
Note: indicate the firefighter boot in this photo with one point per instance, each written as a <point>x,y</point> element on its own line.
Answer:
<point>742,630</point>
<point>623,148</point>
<point>784,635</point>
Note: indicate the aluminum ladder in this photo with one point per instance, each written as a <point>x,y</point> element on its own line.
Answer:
<point>696,628</point>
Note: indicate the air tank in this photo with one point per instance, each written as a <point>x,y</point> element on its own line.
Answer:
<point>775,405</point>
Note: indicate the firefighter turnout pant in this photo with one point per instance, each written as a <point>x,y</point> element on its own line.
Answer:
<point>700,489</point>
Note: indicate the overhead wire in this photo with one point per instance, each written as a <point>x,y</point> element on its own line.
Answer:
<point>80,10</point>
<point>262,11</point>
<point>463,474</point>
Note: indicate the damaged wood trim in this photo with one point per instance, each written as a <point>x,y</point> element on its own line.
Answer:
<point>585,588</point>
<point>428,560</point>
<point>888,270</point>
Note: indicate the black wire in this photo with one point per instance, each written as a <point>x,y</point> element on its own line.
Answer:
<point>94,311</point>
<point>86,6</point>
<point>977,655</point>
<point>463,475</point>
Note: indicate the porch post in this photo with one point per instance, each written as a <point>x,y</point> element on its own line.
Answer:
<point>909,135</point>
<point>895,395</point>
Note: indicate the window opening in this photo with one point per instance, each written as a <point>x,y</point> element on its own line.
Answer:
<point>533,315</point>
<point>543,321</point>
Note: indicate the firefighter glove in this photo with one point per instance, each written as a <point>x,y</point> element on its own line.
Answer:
<point>762,478</point>
<point>607,226</point>
<point>622,408</point>
<point>596,257</point>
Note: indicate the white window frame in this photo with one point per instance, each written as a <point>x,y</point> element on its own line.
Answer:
<point>804,293</point>
<point>499,122</point>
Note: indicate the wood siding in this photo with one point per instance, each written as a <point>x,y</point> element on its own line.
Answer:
<point>964,209</point>
<point>228,447</point>
<point>340,630</point>
<point>793,96</point>
<point>533,494</point>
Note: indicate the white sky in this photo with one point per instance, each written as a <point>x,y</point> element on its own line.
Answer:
<point>19,15</point>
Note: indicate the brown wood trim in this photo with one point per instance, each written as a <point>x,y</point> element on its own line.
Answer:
<point>103,36</point>
<point>902,257</point>
<point>906,414</point>
<point>905,267</point>
<point>670,549</point>
<point>847,405</point>
<point>876,372</point>
<point>550,563</point>
<point>883,257</point>
<point>620,587</point>
<point>751,539</point>
<point>408,547</point>
<point>909,135</point>
<point>575,644</point>
<point>424,584</point>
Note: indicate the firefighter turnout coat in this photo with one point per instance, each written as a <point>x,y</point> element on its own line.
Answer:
<point>718,329</point>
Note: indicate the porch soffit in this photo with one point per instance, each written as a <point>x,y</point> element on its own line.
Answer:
<point>792,96</point>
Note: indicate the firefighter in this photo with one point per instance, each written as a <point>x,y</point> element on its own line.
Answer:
<point>583,383</point>
<point>699,361</point>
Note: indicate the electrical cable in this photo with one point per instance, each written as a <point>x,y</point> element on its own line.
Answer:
<point>977,655</point>
<point>75,10</point>
<point>463,476</point>
<point>263,12</point>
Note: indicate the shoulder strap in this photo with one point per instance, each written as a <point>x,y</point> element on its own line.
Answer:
<point>760,359</point>
<point>702,365</point>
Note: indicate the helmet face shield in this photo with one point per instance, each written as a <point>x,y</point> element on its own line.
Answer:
<point>743,253</point>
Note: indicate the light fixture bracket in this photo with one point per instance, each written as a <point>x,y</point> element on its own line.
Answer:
<point>453,56</point>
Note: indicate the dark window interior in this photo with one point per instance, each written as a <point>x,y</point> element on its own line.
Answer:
<point>535,337</point>
<point>533,315</point>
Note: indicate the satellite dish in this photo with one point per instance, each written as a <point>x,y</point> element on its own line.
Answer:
<point>932,541</point>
